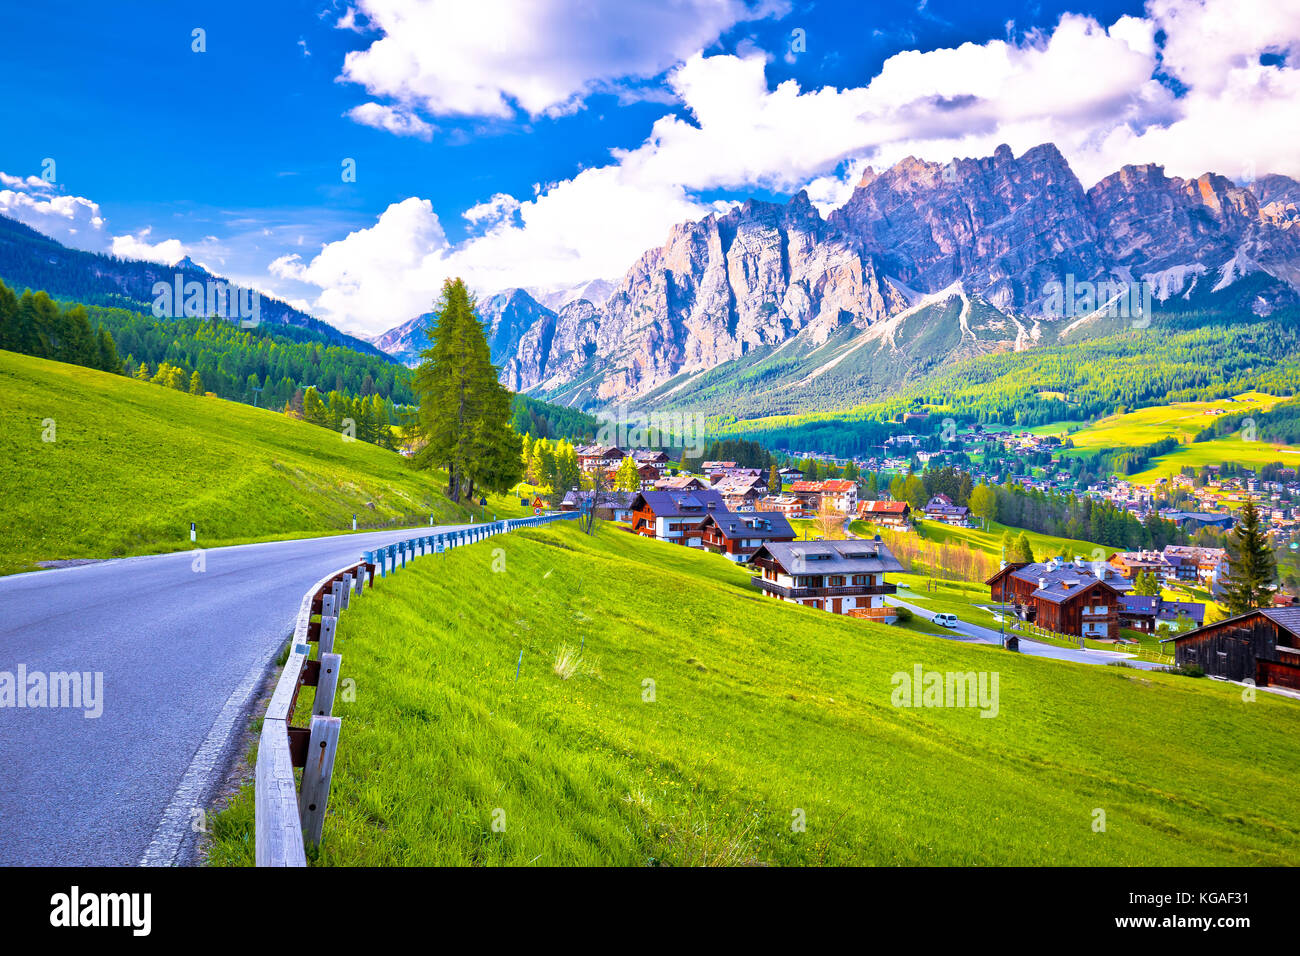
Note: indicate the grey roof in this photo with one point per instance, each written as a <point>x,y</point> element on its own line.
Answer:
<point>1138,603</point>
<point>832,557</point>
<point>679,504</point>
<point>734,525</point>
<point>1056,590</point>
<point>1287,618</point>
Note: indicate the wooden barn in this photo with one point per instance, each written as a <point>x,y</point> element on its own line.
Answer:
<point>1262,645</point>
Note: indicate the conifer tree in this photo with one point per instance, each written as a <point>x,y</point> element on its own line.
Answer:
<point>1251,568</point>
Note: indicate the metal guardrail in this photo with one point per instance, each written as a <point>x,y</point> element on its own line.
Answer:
<point>287,819</point>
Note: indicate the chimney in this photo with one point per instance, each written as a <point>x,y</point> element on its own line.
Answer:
<point>1042,583</point>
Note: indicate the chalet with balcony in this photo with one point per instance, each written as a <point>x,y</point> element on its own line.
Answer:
<point>612,506</point>
<point>941,508</point>
<point>842,577</point>
<point>738,536</point>
<point>593,457</point>
<point>787,505</point>
<point>1066,598</point>
<point>889,514</point>
<point>1130,564</point>
<point>675,516</point>
<point>656,459</point>
<point>1261,645</point>
<point>842,494</point>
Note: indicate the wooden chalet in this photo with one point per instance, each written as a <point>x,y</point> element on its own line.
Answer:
<point>891,514</point>
<point>1063,597</point>
<point>842,577</point>
<point>593,457</point>
<point>675,516</point>
<point>738,536</point>
<point>1262,645</point>
<point>941,508</point>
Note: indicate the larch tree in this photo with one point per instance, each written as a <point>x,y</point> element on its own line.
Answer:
<point>1252,568</point>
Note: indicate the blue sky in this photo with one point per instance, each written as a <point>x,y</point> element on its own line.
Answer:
<point>234,154</point>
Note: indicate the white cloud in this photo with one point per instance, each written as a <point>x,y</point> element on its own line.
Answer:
<point>69,219</point>
<point>489,57</point>
<point>395,120</point>
<point>168,252</point>
<point>76,221</point>
<point>1093,90</point>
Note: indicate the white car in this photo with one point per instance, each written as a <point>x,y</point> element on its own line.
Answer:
<point>945,620</point>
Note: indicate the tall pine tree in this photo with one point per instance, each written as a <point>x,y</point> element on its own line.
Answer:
<point>1251,569</point>
<point>464,413</point>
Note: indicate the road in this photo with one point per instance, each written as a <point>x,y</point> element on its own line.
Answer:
<point>181,652</point>
<point>965,631</point>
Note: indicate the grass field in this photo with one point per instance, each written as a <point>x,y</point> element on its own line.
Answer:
<point>665,713</point>
<point>1180,420</point>
<point>990,541</point>
<point>132,464</point>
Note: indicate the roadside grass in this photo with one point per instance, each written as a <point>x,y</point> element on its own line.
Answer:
<point>719,718</point>
<point>132,464</point>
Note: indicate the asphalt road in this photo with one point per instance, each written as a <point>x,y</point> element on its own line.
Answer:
<point>181,653</point>
<point>965,631</point>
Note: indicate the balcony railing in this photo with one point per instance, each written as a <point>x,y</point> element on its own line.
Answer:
<point>850,590</point>
<point>884,615</point>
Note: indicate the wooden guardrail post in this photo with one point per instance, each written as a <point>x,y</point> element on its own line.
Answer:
<point>322,747</point>
<point>327,683</point>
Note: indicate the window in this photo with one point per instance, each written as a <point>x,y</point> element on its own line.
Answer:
<point>836,580</point>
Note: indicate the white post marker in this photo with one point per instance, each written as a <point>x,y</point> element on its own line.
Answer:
<point>193,533</point>
<point>354,522</point>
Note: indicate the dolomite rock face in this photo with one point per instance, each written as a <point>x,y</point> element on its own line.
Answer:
<point>1001,229</point>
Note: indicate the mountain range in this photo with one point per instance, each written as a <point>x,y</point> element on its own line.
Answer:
<point>924,264</point>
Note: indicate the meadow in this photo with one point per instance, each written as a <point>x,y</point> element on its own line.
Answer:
<point>100,466</point>
<point>664,713</point>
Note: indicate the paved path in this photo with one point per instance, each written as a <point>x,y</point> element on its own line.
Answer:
<point>965,631</point>
<point>181,653</point>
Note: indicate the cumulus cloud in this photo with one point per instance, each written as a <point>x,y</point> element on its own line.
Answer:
<point>491,57</point>
<point>395,120</point>
<point>168,251</point>
<point>1143,89</point>
<point>77,221</point>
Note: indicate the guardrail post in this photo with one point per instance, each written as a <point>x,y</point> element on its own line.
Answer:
<point>340,602</point>
<point>326,685</point>
<point>329,620</point>
<point>322,747</point>
<point>346,592</point>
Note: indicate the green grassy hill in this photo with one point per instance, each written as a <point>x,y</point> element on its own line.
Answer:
<point>132,464</point>
<point>762,714</point>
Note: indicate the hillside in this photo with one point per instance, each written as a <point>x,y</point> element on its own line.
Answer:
<point>132,464</point>
<point>762,714</point>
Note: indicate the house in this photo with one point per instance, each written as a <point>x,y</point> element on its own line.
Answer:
<point>808,492</point>
<point>842,494</point>
<point>656,459</point>
<point>1064,597</point>
<point>842,577</point>
<point>890,514</point>
<point>790,474</point>
<point>1132,563</point>
<point>1261,645</point>
<point>613,505</point>
<point>1146,613</point>
<point>709,467</point>
<point>681,483</point>
<point>941,508</point>
<point>738,536</point>
<point>1206,566</point>
<point>741,493</point>
<point>593,457</point>
<point>788,505</point>
<point>675,516</point>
